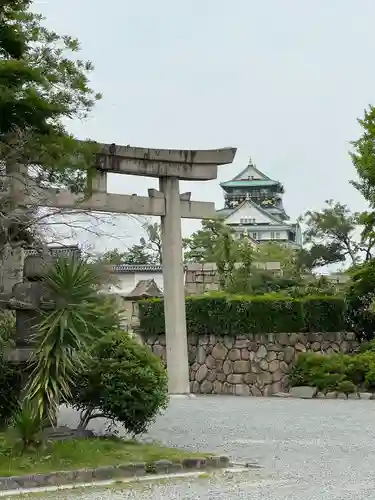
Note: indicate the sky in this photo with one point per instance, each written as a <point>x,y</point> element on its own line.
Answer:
<point>284,81</point>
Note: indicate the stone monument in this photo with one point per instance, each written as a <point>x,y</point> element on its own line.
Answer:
<point>29,297</point>
<point>170,166</point>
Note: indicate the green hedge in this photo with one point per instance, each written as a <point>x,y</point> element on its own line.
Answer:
<point>324,314</point>
<point>220,314</point>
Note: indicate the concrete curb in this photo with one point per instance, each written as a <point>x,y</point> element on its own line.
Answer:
<point>116,472</point>
<point>356,396</point>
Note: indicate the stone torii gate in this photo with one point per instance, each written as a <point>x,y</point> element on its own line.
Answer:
<point>170,166</point>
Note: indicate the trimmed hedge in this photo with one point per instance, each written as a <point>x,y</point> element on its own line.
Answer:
<point>220,314</point>
<point>324,314</point>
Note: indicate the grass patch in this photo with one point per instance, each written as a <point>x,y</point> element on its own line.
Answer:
<point>83,454</point>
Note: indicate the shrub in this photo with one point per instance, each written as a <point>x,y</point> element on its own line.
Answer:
<point>10,389</point>
<point>223,314</point>
<point>331,373</point>
<point>347,387</point>
<point>324,314</point>
<point>316,370</point>
<point>359,296</point>
<point>123,381</point>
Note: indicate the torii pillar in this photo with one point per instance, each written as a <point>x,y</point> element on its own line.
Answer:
<point>170,166</point>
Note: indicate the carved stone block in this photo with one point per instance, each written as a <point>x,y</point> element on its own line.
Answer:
<point>26,324</point>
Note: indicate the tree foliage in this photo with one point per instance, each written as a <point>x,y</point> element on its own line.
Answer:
<point>42,85</point>
<point>147,252</point>
<point>206,244</point>
<point>331,234</point>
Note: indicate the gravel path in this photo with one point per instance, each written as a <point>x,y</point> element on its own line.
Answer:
<point>313,450</point>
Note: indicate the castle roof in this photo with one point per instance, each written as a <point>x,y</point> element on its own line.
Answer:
<point>250,176</point>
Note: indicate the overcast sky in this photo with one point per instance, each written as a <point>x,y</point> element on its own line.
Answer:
<point>282,80</point>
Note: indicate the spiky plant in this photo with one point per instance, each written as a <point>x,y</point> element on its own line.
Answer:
<point>64,333</point>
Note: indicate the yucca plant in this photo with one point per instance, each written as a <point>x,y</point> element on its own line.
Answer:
<point>64,333</point>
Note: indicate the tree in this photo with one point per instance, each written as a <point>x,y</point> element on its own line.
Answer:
<point>277,252</point>
<point>147,252</point>
<point>153,242</point>
<point>42,86</point>
<point>205,244</point>
<point>331,233</point>
<point>363,157</point>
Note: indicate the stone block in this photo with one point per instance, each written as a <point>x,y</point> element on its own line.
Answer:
<point>242,390</point>
<point>26,327</point>
<point>227,367</point>
<point>36,266</point>
<point>271,356</point>
<point>274,366</point>
<point>263,364</point>
<point>235,378</point>
<point>234,354</point>
<point>255,368</point>
<point>293,338</point>
<point>289,354</point>
<point>261,352</point>
<point>210,362</point>
<point>284,367</point>
<point>220,377</point>
<point>353,395</point>
<point>228,342</point>
<point>303,392</point>
<point>201,373</point>
<point>315,346</point>
<point>245,354</point>
<point>264,378</point>
<point>365,395</point>
<point>206,387</point>
<point>219,351</point>
<point>255,391</point>
<point>227,388</point>
<point>331,395</point>
<point>283,339</point>
<point>299,347</point>
<point>282,395</point>
<point>277,376</point>
<point>274,348</point>
<point>211,375</point>
<point>274,388</point>
<point>250,378</point>
<point>194,387</point>
<point>217,387</point>
<point>201,355</point>
<point>241,343</point>
<point>241,366</point>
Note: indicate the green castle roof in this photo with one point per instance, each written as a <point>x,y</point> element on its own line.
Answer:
<point>250,176</point>
<point>250,183</point>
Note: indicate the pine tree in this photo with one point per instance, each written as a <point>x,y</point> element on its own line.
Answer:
<point>41,87</point>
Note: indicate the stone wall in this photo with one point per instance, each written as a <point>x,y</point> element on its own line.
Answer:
<point>203,277</point>
<point>256,366</point>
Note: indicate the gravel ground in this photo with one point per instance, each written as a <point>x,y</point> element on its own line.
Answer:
<point>308,449</point>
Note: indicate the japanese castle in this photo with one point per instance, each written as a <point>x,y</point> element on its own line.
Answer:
<point>254,208</point>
